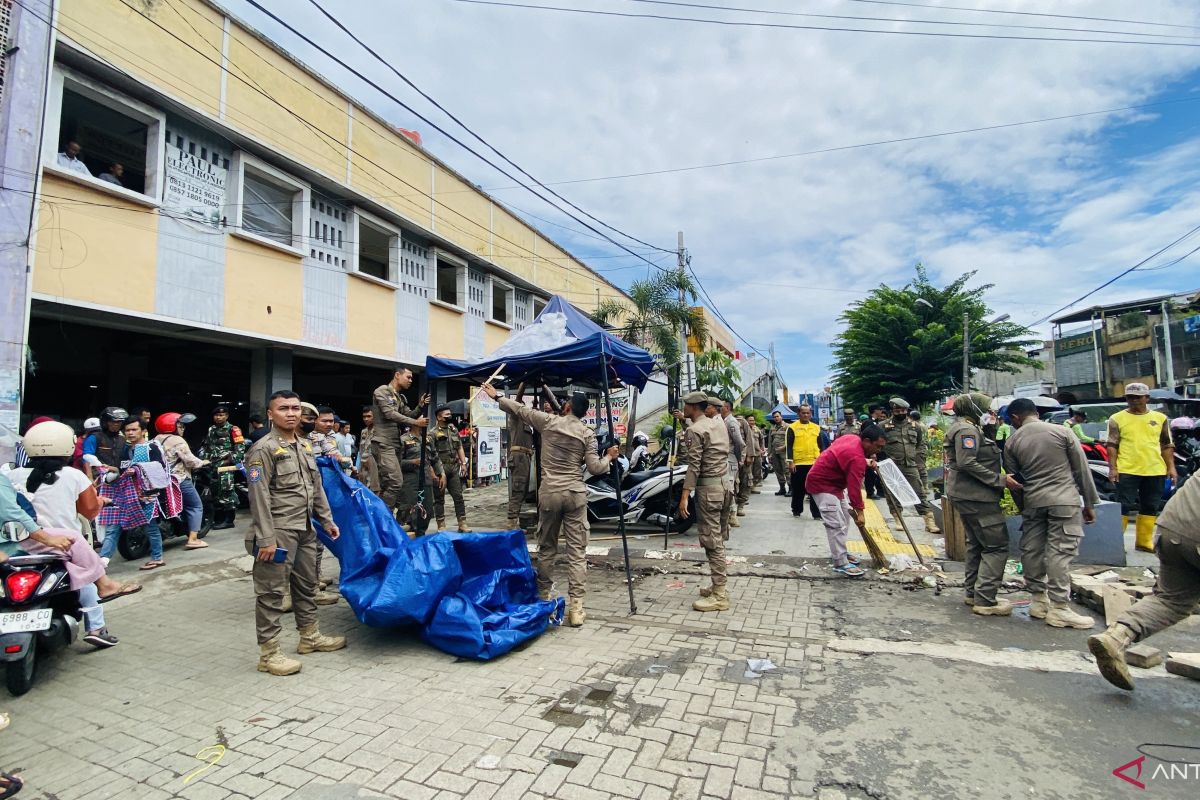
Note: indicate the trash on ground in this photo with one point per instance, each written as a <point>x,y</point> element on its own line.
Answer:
<point>755,667</point>
<point>488,762</point>
<point>661,554</point>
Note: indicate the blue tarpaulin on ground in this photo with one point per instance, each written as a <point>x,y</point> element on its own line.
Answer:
<point>473,595</point>
<point>560,347</point>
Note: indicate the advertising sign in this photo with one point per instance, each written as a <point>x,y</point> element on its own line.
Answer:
<point>486,413</point>
<point>487,459</point>
<point>195,188</point>
<point>620,403</point>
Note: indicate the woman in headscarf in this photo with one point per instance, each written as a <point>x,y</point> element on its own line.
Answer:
<point>975,484</point>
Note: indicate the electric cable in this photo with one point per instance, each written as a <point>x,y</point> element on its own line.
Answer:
<point>1022,13</point>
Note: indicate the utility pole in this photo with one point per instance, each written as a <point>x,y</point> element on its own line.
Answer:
<point>966,379</point>
<point>1170,359</point>
<point>685,367</point>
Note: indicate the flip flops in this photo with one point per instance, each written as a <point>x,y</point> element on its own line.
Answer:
<point>9,785</point>
<point>126,588</point>
<point>850,571</point>
<point>196,545</point>
<point>149,565</point>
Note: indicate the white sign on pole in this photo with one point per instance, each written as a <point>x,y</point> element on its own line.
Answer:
<point>897,484</point>
<point>487,458</point>
<point>486,413</point>
<point>195,188</point>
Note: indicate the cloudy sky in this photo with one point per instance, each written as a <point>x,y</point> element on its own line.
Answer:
<point>1046,211</point>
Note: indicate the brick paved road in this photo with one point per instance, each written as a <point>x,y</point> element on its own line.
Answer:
<point>652,706</point>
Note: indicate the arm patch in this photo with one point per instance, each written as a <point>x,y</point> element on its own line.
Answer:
<point>968,442</point>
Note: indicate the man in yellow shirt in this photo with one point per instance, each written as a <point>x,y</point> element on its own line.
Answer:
<point>805,441</point>
<point>1140,459</point>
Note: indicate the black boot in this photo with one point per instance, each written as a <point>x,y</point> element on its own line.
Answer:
<point>222,519</point>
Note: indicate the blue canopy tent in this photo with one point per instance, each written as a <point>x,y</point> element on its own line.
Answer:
<point>788,414</point>
<point>562,346</point>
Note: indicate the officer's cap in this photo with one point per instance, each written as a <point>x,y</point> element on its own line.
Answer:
<point>716,400</point>
<point>695,398</point>
<point>441,408</point>
<point>222,408</point>
<point>899,402</point>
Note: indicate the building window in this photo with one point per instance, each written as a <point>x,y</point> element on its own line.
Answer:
<point>451,281</point>
<point>502,302</point>
<point>377,247</point>
<point>1131,365</point>
<point>539,305</point>
<point>272,207</point>
<point>98,135</point>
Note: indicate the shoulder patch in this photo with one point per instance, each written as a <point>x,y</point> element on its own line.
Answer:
<point>254,473</point>
<point>968,442</point>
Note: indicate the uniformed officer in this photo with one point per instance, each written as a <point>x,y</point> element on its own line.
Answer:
<point>777,447</point>
<point>914,417</point>
<point>1050,464</point>
<point>737,447</point>
<point>975,484</point>
<point>849,423</point>
<point>744,463</point>
<point>520,455</point>
<point>224,446</point>
<point>756,454</point>
<point>1175,595</point>
<point>707,443</point>
<point>410,462</point>
<point>904,443</point>
<point>391,412</point>
<point>285,494</point>
<point>568,446</point>
<point>448,444</point>
<point>368,473</point>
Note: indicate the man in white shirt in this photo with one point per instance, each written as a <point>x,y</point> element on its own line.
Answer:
<point>69,159</point>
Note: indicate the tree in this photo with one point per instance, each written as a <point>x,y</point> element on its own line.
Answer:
<point>653,322</point>
<point>893,345</point>
<point>716,374</point>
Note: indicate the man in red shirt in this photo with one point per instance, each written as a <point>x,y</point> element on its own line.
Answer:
<point>839,472</point>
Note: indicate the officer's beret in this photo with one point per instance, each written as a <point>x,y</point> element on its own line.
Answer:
<point>694,398</point>
<point>222,408</point>
<point>442,408</point>
<point>898,401</point>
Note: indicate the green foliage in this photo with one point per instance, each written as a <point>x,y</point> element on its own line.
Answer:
<point>717,374</point>
<point>760,417</point>
<point>892,345</point>
<point>656,316</point>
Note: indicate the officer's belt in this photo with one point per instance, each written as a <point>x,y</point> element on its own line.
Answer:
<point>519,449</point>
<point>710,480</point>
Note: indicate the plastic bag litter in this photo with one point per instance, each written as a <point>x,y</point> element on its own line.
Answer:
<point>755,667</point>
<point>900,562</point>
<point>473,595</point>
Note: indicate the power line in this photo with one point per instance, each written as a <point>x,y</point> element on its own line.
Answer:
<point>904,20</point>
<point>783,26</point>
<point>1024,13</point>
<point>712,305</point>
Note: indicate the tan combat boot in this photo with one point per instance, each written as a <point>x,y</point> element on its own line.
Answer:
<point>312,640</point>
<point>575,613</point>
<point>462,525</point>
<point>1061,615</point>
<point>1003,608</point>
<point>1039,606</point>
<point>441,523</point>
<point>897,524</point>
<point>276,663</point>
<point>718,600</point>
<point>733,520</point>
<point>326,598</point>
<point>513,524</point>
<point>741,511</point>
<point>1109,650</point>
<point>969,599</point>
<point>930,523</point>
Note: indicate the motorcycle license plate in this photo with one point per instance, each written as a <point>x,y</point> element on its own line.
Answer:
<point>23,621</point>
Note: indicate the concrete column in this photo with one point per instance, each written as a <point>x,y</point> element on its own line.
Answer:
<point>270,371</point>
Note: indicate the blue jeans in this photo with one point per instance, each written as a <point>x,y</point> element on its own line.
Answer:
<point>89,603</point>
<point>193,508</point>
<point>112,533</point>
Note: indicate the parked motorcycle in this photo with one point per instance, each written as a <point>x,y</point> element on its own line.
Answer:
<point>38,609</point>
<point>135,544</point>
<point>650,497</point>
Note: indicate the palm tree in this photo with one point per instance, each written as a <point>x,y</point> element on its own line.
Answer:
<point>660,307</point>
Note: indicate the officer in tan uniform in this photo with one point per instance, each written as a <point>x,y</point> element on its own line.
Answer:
<point>905,441</point>
<point>520,455</point>
<point>447,443</point>
<point>975,484</point>
<point>756,454</point>
<point>744,461</point>
<point>367,471</point>
<point>777,447</point>
<point>849,423</point>
<point>568,445</point>
<point>285,494</point>
<point>391,413</point>
<point>707,443</point>
<point>410,463</point>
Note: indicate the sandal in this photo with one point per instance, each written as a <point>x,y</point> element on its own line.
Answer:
<point>196,545</point>
<point>101,639</point>
<point>124,589</point>
<point>9,785</point>
<point>850,571</point>
<point>853,559</point>
<point>152,565</point>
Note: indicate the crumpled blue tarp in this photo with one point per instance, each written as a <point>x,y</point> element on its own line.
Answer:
<point>473,595</point>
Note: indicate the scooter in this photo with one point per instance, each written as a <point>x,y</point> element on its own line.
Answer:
<point>38,608</point>
<point>651,497</point>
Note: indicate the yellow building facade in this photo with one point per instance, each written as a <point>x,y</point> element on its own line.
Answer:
<point>203,190</point>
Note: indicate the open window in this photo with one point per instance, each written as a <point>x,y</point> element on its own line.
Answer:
<point>451,280</point>
<point>503,298</point>
<point>267,205</point>
<point>96,135</point>
<point>539,305</point>
<point>376,248</point>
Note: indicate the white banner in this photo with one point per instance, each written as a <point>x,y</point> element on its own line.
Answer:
<point>488,455</point>
<point>486,413</point>
<point>897,484</point>
<point>195,188</point>
<point>597,412</point>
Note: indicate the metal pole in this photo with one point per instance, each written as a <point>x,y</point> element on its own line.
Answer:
<point>673,450</point>
<point>1096,354</point>
<point>615,469</point>
<point>420,522</point>
<point>681,254</point>
<point>966,378</point>
<point>1170,359</point>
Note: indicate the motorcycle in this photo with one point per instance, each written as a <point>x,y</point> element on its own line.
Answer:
<point>651,496</point>
<point>38,609</point>
<point>134,544</point>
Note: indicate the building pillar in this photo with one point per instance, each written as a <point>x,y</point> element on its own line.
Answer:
<point>270,371</point>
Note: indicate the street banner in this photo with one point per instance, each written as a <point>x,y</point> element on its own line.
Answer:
<point>195,188</point>
<point>486,413</point>
<point>897,484</point>
<point>597,412</point>
<point>487,459</point>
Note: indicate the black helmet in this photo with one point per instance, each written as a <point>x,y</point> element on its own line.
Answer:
<point>641,438</point>
<point>667,432</point>
<point>113,414</point>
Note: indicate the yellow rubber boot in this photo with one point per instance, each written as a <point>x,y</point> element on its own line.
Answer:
<point>1145,533</point>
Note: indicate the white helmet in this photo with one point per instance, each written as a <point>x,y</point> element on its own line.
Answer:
<point>52,439</point>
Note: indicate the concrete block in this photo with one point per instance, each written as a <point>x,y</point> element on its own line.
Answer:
<point>1185,664</point>
<point>1116,602</point>
<point>1143,656</point>
<point>1103,541</point>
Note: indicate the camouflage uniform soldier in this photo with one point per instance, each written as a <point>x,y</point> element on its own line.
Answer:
<point>224,446</point>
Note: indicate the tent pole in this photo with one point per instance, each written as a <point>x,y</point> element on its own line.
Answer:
<point>616,470</point>
<point>672,455</point>
<point>424,436</point>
